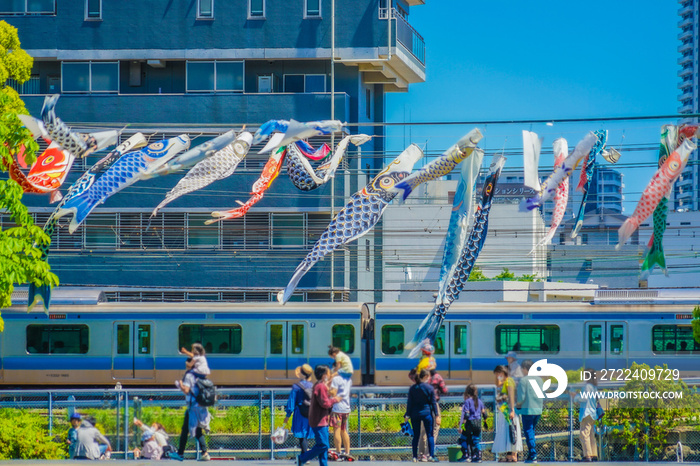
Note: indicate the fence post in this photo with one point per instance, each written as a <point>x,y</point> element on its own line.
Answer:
<point>272,422</point>
<point>118,423</point>
<point>359,419</point>
<point>50,414</point>
<point>260,409</point>
<point>571,429</point>
<point>126,425</point>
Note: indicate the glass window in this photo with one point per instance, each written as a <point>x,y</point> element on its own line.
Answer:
<point>297,338</point>
<point>93,9</point>
<point>595,339</point>
<point>527,338</point>
<point>315,83</point>
<point>200,76</point>
<point>440,341</point>
<point>276,338</point>
<point>392,339</point>
<point>256,8</point>
<point>216,339</point>
<point>343,337</point>
<point>105,77</point>
<point>123,338</point>
<point>674,339</point>
<point>57,339</point>
<point>41,6</point>
<point>312,8</point>
<point>200,235</point>
<point>617,336</point>
<point>294,83</point>
<point>288,229</point>
<point>144,339</point>
<point>460,339</point>
<point>100,231</point>
<point>76,77</point>
<point>229,76</point>
<point>205,8</point>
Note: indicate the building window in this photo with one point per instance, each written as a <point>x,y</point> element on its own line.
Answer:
<point>392,339</point>
<point>368,104</point>
<point>216,339</point>
<point>90,77</point>
<point>28,7</point>
<point>304,83</point>
<point>101,231</point>
<point>199,235</point>
<point>205,9</point>
<point>57,339</point>
<point>287,230</point>
<point>343,337</point>
<point>527,338</point>
<point>312,8</point>
<point>215,76</point>
<point>93,10</point>
<point>256,9</point>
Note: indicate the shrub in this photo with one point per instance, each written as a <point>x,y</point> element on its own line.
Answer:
<point>23,435</point>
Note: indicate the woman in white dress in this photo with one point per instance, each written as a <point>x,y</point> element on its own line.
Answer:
<point>505,417</point>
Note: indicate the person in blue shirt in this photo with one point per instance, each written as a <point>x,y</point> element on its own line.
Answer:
<point>72,439</point>
<point>473,411</point>
<point>300,423</point>
<point>529,406</point>
<point>421,408</point>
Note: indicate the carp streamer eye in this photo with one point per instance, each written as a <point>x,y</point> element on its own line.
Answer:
<point>156,146</point>
<point>673,165</point>
<point>489,188</point>
<point>48,160</point>
<point>386,182</point>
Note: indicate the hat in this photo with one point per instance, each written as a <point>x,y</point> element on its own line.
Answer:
<point>512,354</point>
<point>304,369</point>
<point>428,349</point>
<point>75,416</point>
<point>147,434</point>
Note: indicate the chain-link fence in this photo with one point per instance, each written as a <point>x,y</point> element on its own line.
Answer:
<point>243,420</point>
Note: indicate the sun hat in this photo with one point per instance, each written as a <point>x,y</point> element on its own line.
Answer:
<point>428,349</point>
<point>304,369</point>
<point>512,354</point>
<point>146,435</point>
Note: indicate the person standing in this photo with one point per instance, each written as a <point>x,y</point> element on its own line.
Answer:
<point>91,444</point>
<point>421,409</point>
<point>514,369</point>
<point>507,439</point>
<point>440,388</point>
<point>298,405</point>
<point>529,406</point>
<point>197,418</point>
<point>473,411</point>
<point>319,413</point>
<point>587,416</point>
<point>339,415</point>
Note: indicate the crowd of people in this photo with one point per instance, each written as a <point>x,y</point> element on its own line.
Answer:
<point>314,407</point>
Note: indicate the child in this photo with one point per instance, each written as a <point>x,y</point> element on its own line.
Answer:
<point>72,439</point>
<point>427,361</point>
<point>161,437</point>
<point>343,364</point>
<point>197,354</point>
<point>473,411</point>
<point>150,450</point>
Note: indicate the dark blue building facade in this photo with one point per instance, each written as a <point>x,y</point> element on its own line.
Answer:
<point>200,67</point>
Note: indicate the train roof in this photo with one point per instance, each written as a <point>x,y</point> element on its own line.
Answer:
<point>538,307</point>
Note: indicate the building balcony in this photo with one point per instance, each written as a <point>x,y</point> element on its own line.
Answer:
<point>685,72</point>
<point>415,2</point>
<point>685,47</point>
<point>194,108</point>
<point>685,109</point>
<point>685,84</point>
<point>685,59</point>
<point>685,10</point>
<point>684,1</point>
<point>687,21</point>
<point>688,94</point>
<point>685,35</point>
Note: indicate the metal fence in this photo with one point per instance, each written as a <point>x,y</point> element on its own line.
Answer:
<point>243,420</point>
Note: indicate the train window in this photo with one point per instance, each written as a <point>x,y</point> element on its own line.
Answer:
<point>392,339</point>
<point>343,337</point>
<point>440,341</point>
<point>57,339</point>
<point>617,337</point>
<point>460,339</point>
<point>276,338</point>
<point>674,339</point>
<point>595,339</point>
<point>527,338</point>
<point>297,338</point>
<point>144,339</point>
<point>216,339</point>
<point>123,337</point>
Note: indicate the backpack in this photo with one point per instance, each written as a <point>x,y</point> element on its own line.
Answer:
<point>306,402</point>
<point>205,395</point>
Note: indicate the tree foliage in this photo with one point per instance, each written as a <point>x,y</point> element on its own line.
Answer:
<point>23,436</point>
<point>20,259</point>
<point>477,275</point>
<point>696,323</point>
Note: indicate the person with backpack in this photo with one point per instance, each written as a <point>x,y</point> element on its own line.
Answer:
<point>298,405</point>
<point>440,388</point>
<point>197,417</point>
<point>421,409</point>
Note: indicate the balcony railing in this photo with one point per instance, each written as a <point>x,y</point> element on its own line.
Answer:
<point>30,87</point>
<point>409,38</point>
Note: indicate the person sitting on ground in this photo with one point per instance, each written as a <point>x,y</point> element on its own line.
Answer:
<point>161,437</point>
<point>150,449</point>
<point>91,445</point>
<point>72,437</point>
<point>342,365</point>
<point>198,355</point>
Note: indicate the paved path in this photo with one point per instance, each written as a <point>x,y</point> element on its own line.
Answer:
<point>283,463</point>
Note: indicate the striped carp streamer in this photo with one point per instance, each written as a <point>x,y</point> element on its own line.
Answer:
<point>428,329</point>
<point>359,216</point>
<point>587,175</point>
<point>292,130</point>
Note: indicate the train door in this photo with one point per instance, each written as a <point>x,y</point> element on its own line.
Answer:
<point>452,351</point>
<point>285,349</point>
<point>132,350</point>
<point>605,345</point>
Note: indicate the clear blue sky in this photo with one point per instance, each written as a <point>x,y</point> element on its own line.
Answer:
<point>506,60</point>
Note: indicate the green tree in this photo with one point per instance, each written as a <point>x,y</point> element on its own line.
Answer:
<point>477,275</point>
<point>696,323</point>
<point>20,258</point>
<point>505,275</point>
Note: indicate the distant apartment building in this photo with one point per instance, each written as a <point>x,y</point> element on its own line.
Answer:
<point>200,67</point>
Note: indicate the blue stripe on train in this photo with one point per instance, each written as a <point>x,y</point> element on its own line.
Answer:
<point>188,316</point>
<point>451,317</point>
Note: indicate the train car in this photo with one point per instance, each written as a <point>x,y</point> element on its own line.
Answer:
<point>476,337</point>
<point>98,343</point>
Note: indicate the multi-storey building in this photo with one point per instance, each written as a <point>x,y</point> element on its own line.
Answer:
<point>200,67</point>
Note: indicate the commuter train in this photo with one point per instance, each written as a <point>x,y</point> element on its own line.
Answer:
<point>89,342</point>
